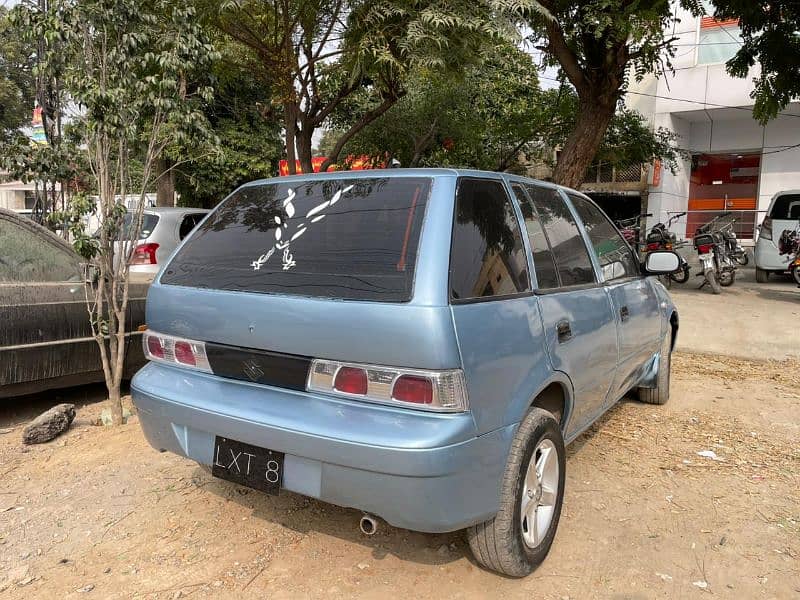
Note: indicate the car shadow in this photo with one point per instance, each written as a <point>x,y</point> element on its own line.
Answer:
<point>307,515</point>
<point>18,411</point>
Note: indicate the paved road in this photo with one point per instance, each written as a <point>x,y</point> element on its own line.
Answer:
<point>748,320</point>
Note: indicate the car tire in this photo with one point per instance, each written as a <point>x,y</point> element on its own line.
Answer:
<point>533,481</point>
<point>660,393</point>
<point>762,276</point>
<point>796,274</point>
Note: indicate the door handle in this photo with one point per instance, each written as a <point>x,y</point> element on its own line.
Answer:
<point>624,313</point>
<point>564,331</point>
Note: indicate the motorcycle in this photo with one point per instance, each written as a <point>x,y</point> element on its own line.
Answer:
<point>718,267</point>
<point>661,238</point>
<point>631,230</point>
<point>789,243</point>
<point>732,245</point>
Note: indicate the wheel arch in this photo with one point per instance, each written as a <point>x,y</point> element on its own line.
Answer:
<point>673,323</point>
<point>555,396</point>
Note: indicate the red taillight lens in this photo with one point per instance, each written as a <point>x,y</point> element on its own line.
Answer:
<point>351,381</point>
<point>652,246</point>
<point>173,350</point>
<point>184,354</point>
<point>144,254</point>
<point>704,248</point>
<point>155,346</point>
<point>410,388</point>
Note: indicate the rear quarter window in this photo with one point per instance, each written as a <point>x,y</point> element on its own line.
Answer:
<point>786,206</point>
<point>352,239</point>
<point>487,257</point>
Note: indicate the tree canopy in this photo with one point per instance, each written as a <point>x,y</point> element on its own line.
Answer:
<point>771,38</point>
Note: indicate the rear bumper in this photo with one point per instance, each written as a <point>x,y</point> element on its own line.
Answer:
<point>768,257</point>
<point>426,472</point>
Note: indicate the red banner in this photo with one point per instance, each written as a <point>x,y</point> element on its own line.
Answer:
<point>351,163</point>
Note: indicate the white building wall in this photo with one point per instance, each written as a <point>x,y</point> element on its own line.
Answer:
<point>712,113</point>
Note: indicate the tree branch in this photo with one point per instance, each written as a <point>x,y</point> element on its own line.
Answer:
<point>367,118</point>
<point>558,47</point>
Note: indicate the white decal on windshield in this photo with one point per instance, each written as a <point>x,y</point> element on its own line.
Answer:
<point>288,260</point>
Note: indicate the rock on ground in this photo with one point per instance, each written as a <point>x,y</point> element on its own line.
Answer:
<point>49,424</point>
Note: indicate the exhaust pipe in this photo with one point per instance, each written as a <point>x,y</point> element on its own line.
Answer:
<point>368,525</point>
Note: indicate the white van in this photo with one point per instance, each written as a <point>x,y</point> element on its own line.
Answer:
<point>783,213</point>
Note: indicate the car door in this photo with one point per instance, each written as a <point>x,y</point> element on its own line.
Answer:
<point>579,327</point>
<point>636,306</point>
<point>45,334</point>
<point>495,312</point>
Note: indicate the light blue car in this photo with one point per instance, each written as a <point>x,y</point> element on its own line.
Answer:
<point>418,344</point>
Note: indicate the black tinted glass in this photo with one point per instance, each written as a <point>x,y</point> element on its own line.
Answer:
<point>572,257</point>
<point>487,257</point>
<point>613,253</point>
<point>354,239</point>
<point>786,206</point>
<point>543,262</point>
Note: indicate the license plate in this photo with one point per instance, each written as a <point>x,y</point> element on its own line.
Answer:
<point>248,465</point>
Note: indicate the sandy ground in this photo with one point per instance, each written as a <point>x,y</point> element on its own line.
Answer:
<point>748,319</point>
<point>98,513</point>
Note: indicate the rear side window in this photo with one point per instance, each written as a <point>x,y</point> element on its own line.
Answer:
<point>188,223</point>
<point>786,206</point>
<point>149,223</point>
<point>543,262</point>
<point>487,257</point>
<point>353,239</point>
<point>572,257</point>
<point>28,257</point>
<point>613,252</point>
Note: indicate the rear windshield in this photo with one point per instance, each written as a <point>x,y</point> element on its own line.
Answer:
<point>354,239</point>
<point>786,206</point>
<point>149,223</point>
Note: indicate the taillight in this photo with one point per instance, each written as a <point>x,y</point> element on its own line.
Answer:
<point>766,228</point>
<point>443,391</point>
<point>351,380</point>
<point>153,347</point>
<point>169,349</point>
<point>410,388</point>
<point>144,254</point>
<point>652,246</point>
<point>705,248</point>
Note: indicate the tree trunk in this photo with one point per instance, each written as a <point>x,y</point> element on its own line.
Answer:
<point>290,125</point>
<point>115,398</point>
<point>165,184</point>
<point>583,143</point>
<point>304,142</point>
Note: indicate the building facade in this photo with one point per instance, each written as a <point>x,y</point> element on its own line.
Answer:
<point>736,164</point>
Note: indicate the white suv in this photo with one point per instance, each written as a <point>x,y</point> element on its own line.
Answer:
<point>783,213</point>
<point>163,229</point>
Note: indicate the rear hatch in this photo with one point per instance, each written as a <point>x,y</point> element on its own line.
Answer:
<point>124,242</point>
<point>289,270</point>
<point>784,214</point>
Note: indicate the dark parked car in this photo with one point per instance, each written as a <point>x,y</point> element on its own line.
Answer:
<point>45,337</point>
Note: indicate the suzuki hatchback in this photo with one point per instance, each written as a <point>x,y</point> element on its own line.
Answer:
<point>417,344</point>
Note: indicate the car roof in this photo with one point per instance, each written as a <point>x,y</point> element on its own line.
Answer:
<point>173,210</point>
<point>401,172</point>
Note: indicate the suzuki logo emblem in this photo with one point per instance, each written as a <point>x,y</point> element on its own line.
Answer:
<point>252,369</point>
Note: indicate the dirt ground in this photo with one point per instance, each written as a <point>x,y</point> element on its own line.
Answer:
<point>98,513</point>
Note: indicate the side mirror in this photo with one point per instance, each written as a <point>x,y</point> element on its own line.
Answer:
<point>613,270</point>
<point>661,262</point>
